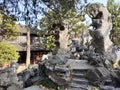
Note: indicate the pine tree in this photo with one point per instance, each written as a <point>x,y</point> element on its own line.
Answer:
<point>114,9</point>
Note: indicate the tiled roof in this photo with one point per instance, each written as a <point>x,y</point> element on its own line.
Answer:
<point>23,29</point>
<point>23,47</point>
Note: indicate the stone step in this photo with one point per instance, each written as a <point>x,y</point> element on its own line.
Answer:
<point>72,88</point>
<point>79,86</point>
<point>80,81</point>
<point>79,71</point>
<point>78,75</point>
<point>79,64</point>
<point>34,87</point>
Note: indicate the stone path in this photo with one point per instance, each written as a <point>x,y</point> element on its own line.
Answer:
<point>79,70</point>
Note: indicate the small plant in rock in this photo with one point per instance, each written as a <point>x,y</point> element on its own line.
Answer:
<point>7,53</point>
<point>49,42</point>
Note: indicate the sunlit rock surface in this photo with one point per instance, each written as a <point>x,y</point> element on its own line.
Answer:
<point>33,88</point>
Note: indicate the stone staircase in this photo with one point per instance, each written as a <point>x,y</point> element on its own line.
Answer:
<point>79,81</point>
<point>78,75</point>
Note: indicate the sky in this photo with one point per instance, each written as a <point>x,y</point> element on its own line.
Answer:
<point>104,2</point>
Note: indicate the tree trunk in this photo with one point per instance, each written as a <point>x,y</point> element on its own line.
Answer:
<point>28,48</point>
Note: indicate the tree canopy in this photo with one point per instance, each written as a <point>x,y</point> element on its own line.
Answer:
<point>69,13</point>
<point>114,9</point>
<point>8,27</point>
<point>7,53</point>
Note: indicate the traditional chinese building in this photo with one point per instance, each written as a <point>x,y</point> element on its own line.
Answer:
<point>37,47</point>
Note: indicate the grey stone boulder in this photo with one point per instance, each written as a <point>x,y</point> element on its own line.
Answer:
<point>57,59</point>
<point>33,88</point>
<point>107,88</point>
<point>102,25</point>
<point>57,70</point>
<point>98,76</point>
<point>9,80</point>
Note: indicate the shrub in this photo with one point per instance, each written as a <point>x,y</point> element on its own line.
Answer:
<point>7,53</point>
<point>49,42</point>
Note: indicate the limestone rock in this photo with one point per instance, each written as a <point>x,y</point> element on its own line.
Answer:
<point>9,80</point>
<point>102,25</point>
<point>57,70</point>
<point>33,88</point>
<point>107,88</point>
<point>98,76</point>
<point>57,59</point>
<point>104,50</point>
<point>63,39</point>
<point>14,87</point>
<point>29,76</point>
<point>1,88</point>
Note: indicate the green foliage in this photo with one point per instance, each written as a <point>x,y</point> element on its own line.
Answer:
<point>114,9</point>
<point>77,30</point>
<point>7,53</point>
<point>69,12</point>
<point>70,18</point>
<point>8,27</point>
<point>63,6</point>
<point>49,42</point>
